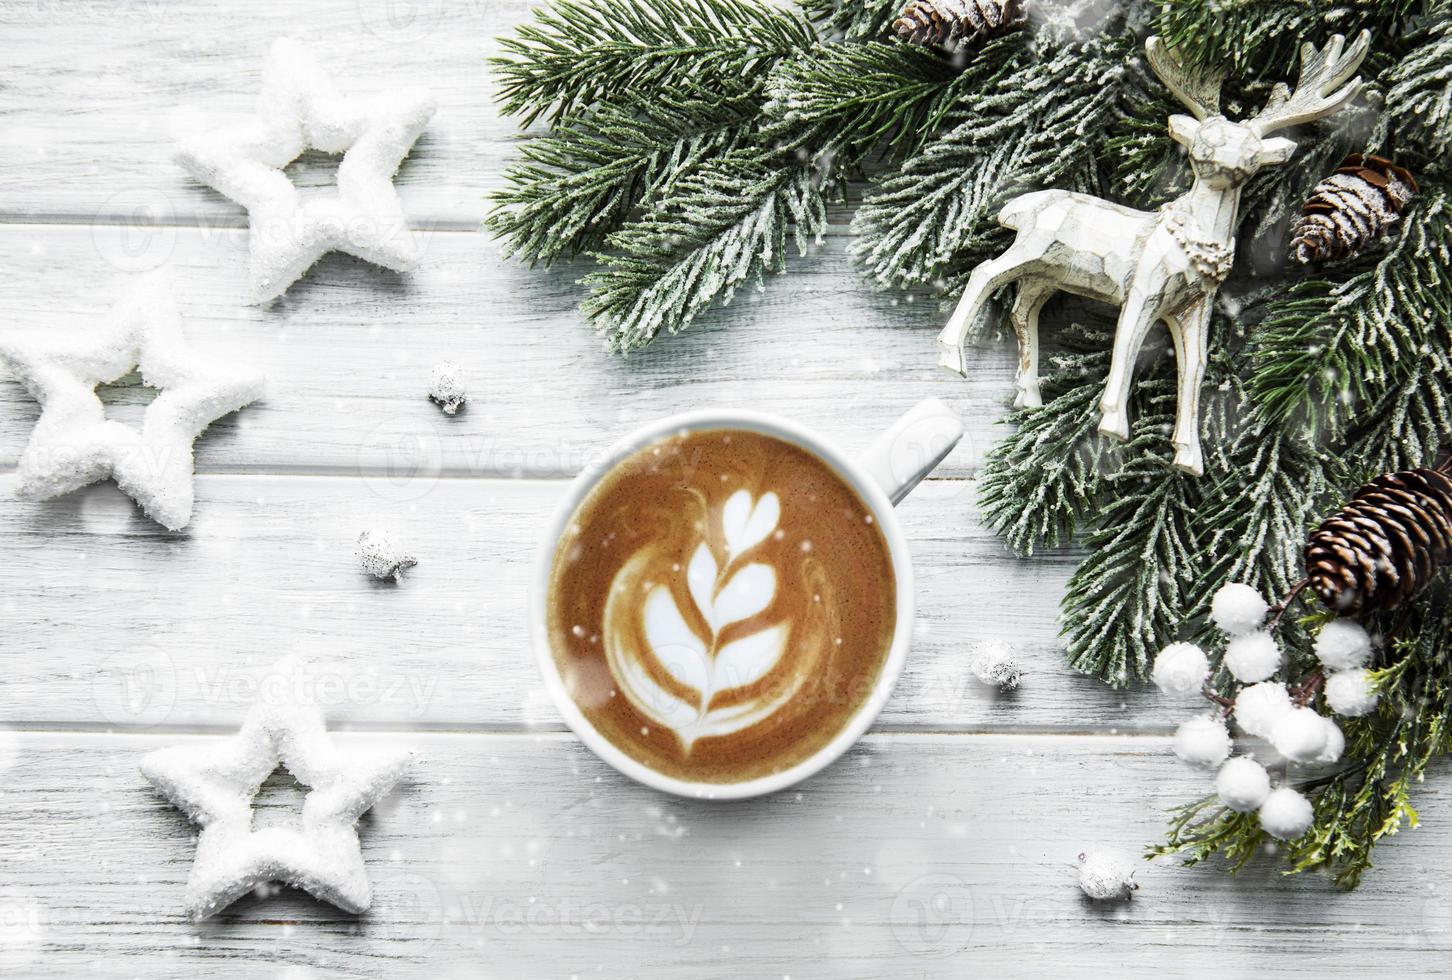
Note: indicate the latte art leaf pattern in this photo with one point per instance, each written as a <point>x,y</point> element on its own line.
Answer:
<point>721,605</point>
<point>690,646</point>
<point>746,526</point>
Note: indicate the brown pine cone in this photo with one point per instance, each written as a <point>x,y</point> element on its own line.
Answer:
<point>1386,545</point>
<point>1359,202</point>
<point>954,24</point>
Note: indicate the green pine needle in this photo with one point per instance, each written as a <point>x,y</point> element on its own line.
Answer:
<point>885,94</point>
<point>1043,480</point>
<point>590,175</point>
<point>1411,422</point>
<point>854,20</point>
<point>576,55</point>
<point>1241,36</point>
<point>1327,348</point>
<point>723,226</point>
<point>1125,600</point>
<point>934,218</point>
<point>1419,95</point>
<point>1255,515</point>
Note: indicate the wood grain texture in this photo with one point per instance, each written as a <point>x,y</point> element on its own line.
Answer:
<point>941,846</point>
<point>509,856</point>
<point>96,96</point>
<point>129,625</point>
<point>347,352</point>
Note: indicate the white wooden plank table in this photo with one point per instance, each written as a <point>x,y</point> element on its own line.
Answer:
<point>512,851</point>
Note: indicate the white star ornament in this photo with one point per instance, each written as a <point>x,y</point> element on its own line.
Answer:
<point>214,783</point>
<point>299,110</point>
<point>73,443</point>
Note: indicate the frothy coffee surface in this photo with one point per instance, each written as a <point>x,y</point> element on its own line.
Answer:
<point>721,605</point>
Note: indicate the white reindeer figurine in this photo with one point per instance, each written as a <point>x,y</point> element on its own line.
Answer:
<point>1154,265</point>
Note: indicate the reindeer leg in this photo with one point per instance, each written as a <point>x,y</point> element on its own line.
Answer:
<point>1026,307</point>
<point>1135,319</point>
<point>985,280</point>
<point>1190,330</point>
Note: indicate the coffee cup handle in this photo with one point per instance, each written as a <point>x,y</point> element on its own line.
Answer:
<point>911,448</point>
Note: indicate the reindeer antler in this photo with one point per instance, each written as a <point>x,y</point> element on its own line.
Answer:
<point>1200,91</point>
<point>1321,71</point>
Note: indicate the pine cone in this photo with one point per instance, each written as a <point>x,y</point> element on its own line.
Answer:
<point>1359,202</point>
<point>954,24</point>
<point>1386,545</point>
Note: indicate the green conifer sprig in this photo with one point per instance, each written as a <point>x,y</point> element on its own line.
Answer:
<point>727,224</point>
<point>1243,36</point>
<point>1328,348</point>
<point>1125,601</point>
<point>1368,796</point>
<point>589,176</point>
<point>1256,513</point>
<point>1146,168</point>
<point>575,55</point>
<point>853,20</point>
<point>933,218</point>
<point>1420,86</point>
<point>887,96</point>
<point>1044,480</point>
<point>1411,420</point>
<point>730,220</point>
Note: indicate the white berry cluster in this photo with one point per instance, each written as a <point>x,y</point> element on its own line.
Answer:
<point>1264,707</point>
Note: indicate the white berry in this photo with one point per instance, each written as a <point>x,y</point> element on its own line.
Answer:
<point>1350,692</point>
<point>1237,608</point>
<point>1286,814</point>
<point>447,387</point>
<point>1252,657</point>
<point>1343,644</point>
<point>1335,743</point>
<point>1181,668</point>
<point>1242,784</point>
<point>1299,734</point>
<point>1106,875</point>
<point>1202,741</point>
<point>381,556</point>
<point>1259,706</point>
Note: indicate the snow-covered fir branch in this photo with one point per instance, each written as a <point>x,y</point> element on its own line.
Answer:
<point>693,143</point>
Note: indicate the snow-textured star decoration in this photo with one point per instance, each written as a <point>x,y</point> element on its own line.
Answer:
<point>214,784</point>
<point>298,110</point>
<point>73,442</point>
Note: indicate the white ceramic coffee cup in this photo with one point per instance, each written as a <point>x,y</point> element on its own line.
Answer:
<point>882,476</point>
